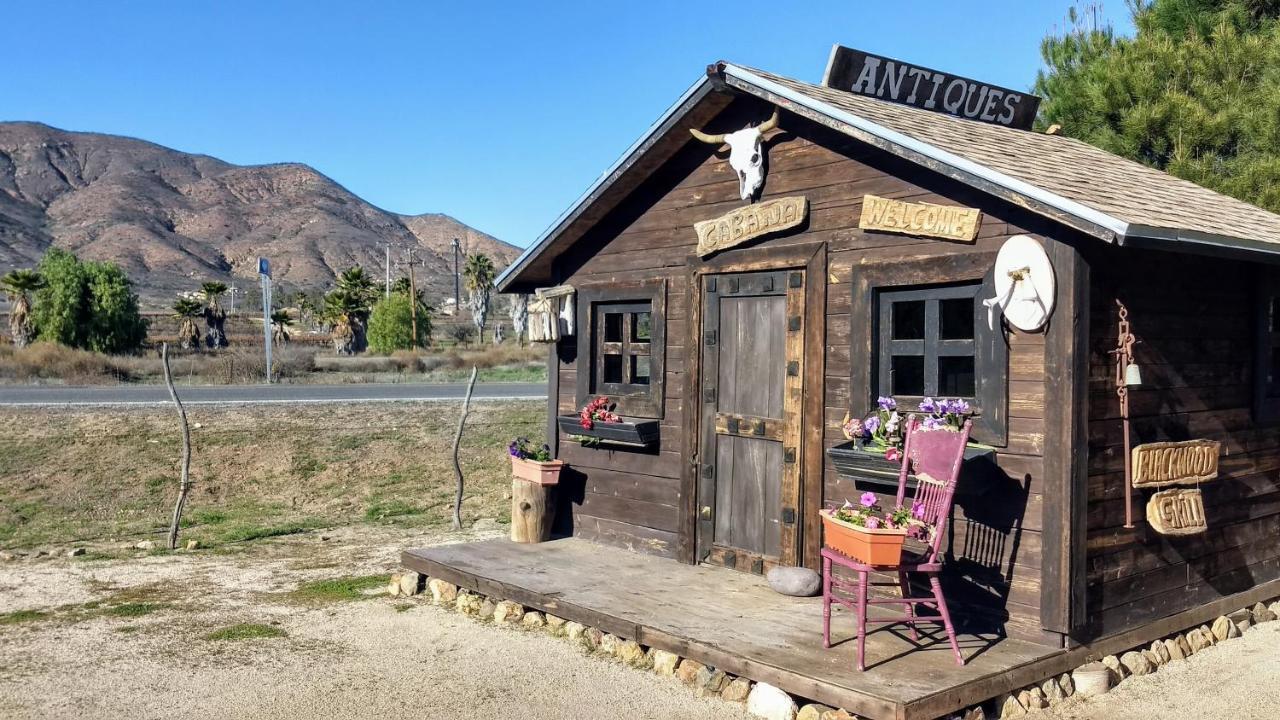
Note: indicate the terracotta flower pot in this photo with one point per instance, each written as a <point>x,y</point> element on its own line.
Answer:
<point>873,547</point>
<point>542,473</point>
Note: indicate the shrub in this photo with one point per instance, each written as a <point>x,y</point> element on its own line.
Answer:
<point>391,325</point>
<point>89,305</point>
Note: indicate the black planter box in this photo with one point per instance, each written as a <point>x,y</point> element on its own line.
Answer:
<point>643,433</point>
<point>868,467</point>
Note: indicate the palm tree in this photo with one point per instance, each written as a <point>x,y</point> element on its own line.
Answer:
<point>480,273</point>
<point>280,322</point>
<point>215,318</point>
<point>19,284</point>
<point>346,309</point>
<point>187,309</point>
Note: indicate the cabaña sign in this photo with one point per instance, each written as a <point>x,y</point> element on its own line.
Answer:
<point>888,79</point>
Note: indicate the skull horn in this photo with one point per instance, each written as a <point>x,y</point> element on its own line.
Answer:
<point>709,139</point>
<point>769,124</point>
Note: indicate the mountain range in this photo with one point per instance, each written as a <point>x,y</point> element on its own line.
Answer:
<point>173,219</point>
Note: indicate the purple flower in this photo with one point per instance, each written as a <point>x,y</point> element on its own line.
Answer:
<point>955,407</point>
<point>933,423</point>
<point>514,448</point>
<point>887,403</point>
<point>868,499</point>
<point>917,510</point>
<point>873,523</point>
<point>929,405</point>
<point>872,424</point>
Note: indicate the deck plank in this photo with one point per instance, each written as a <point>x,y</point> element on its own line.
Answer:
<point>733,621</point>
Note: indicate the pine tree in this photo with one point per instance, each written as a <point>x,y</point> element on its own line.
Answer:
<point>1195,92</point>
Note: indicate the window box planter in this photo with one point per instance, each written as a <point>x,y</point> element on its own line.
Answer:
<point>541,473</point>
<point>642,433</point>
<point>882,546</point>
<point>869,467</point>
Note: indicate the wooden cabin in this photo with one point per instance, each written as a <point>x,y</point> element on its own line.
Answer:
<point>748,358</point>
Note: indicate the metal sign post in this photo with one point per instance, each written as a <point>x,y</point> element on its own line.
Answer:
<point>264,272</point>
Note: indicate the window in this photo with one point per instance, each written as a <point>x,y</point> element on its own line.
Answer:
<point>1266,383</point>
<point>620,349</point>
<point>934,342</point>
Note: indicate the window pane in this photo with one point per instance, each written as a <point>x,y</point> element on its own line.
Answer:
<point>613,327</point>
<point>955,376</point>
<point>907,375</point>
<point>908,320</point>
<point>956,319</point>
<point>640,369</point>
<point>640,329</point>
<point>1274,308</point>
<point>612,369</point>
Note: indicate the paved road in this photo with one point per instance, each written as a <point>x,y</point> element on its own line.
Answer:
<point>265,394</point>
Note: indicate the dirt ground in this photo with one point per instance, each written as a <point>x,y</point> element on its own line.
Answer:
<point>128,638</point>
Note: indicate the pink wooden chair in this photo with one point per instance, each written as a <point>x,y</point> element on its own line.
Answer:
<point>935,458</point>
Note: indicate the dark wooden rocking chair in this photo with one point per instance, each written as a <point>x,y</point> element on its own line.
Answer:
<point>934,457</point>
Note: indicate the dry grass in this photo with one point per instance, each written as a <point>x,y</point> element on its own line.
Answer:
<point>71,475</point>
<point>50,363</point>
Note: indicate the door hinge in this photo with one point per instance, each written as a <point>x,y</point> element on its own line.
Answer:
<point>788,516</point>
<point>709,337</point>
<point>708,471</point>
<point>711,284</point>
<point>793,323</point>
<point>796,280</point>
<point>768,283</point>
<point>732,425</point>
<point>789,455</point>
<point>709,395</point>
<point>731,284</point>
<point>758,428</point>
<point>793,368</point>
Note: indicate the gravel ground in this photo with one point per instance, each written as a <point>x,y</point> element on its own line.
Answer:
<point>371,658</point>
<point>95,654</point>
<point>1239,679</point>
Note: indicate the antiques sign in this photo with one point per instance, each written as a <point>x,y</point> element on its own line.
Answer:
<point>750,222</point>
<point>1175,463</point>
<point>896,81</point>
<point>1177,512</point>
<point>940,221</point>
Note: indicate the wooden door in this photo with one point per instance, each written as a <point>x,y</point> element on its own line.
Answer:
<point>751,388</point>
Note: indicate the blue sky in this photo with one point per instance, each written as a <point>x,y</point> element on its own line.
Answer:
<point>498,114</point>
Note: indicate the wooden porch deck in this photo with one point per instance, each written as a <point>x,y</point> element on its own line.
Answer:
<point>733,621</point>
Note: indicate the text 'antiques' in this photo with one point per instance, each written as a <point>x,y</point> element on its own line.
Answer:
<point>887,79</point>
<point>1175,463</point>
<point>927,219</point>
<point>1177,512</point>
<point>750,222</point>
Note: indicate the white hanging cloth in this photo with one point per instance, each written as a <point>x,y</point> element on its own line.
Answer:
<point>551,313</point>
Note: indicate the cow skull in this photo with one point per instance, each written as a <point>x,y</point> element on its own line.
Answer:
<point>746,153</point>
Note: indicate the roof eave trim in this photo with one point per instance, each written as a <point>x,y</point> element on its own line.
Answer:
<point>686,100</point>
<point>1177,239</point>
<point>1118,227</point>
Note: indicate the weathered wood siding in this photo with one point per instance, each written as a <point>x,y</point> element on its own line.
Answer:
<point>634,499</point>
<point>1193,317</point>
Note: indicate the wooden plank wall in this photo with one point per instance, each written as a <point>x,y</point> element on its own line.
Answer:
<point>633,499</point>
<point>1193,317</point>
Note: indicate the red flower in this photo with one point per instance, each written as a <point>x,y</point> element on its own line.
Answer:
<point>892,454</point>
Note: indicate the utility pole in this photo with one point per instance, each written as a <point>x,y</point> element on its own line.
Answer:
<point>457,296</point>
<point>386,265</point>
<point>413,302</point>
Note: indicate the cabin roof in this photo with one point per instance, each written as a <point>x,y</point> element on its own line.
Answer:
<point>1104,195</point>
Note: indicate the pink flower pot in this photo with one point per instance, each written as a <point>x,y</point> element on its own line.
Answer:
<point>882,546</point>
<point>542,473</point>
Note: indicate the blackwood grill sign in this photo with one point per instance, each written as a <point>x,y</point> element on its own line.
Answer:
<point>888,79</point>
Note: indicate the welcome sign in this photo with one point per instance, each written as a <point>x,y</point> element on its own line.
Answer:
<point>897,81</point>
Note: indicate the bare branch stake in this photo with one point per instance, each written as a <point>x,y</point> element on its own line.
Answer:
<point>457,440</point>
<point>184,485</point>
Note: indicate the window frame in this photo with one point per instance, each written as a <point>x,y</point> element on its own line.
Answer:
<point>932,347</point>
<point>991,366</point>
<point>633,400</point>
<point>1266,396</point>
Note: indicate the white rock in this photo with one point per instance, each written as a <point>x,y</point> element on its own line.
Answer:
<point>1261,614</point>
<point>664,663</point>
<point>145,545</point>
<point>1067,685</point>
<point>794,581</point>
<point>1010,707</point>
<point>75,552</point>
<point>410,583</point>
<point>1137,663</point>
<point>442,593</point>
<point>770,703</point>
